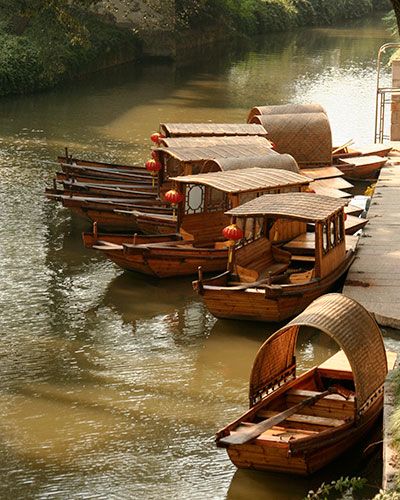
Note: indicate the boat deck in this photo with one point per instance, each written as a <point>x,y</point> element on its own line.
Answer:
<point>374,277</point>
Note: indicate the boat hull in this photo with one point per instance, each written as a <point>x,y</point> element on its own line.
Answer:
<point>256,455</point>
<point>164,261</point>
<point>253,303</point>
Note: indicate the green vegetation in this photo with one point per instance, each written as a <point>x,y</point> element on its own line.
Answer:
<point>260,16</point>
<point>43,42</point>
<point>49,42</point>
<point>344,486</point>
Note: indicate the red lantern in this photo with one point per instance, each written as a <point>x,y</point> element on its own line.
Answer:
<point>174,197</point>
<point>156,137</point>
<point>153,167</point>
<point>232,233</point>
<point>154,155</point>
<point>344,216</point>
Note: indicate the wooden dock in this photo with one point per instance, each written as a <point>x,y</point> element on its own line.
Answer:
<point>374,277</point>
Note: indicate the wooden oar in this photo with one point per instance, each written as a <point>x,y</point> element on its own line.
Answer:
<point>254,431</point>
<point>343,146</point>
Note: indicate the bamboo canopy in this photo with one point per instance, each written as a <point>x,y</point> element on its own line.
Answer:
<point>251,179</point>
<point>306,207</point>
<point>345,321</point>
<point>216,152</point>
<point>196,142</point>
<point>284,109</point>
<point>306,136</point>
<point>276,161</point>
<point>210,129</point>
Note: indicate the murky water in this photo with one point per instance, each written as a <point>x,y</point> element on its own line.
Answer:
<point>112,384</point>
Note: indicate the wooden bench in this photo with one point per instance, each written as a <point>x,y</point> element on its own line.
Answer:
<point>332,406</point>
<point>305,422</point>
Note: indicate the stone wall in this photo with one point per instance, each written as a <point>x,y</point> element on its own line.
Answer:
<point>153,20</point>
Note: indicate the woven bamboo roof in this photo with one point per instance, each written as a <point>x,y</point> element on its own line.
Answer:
<point>306,136</point>
<point>190,142</point>
<point>217,151</point>
<point>202,129</point>
<point>283,162</point>
<point>346,322</point>
<point>284,109</point>
<point>250,179</point>
<point>308,207</point>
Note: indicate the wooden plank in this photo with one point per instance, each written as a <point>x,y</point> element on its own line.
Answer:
<point>322,172</point>
<point>353,224</point>
<point>306,419</point>
<point>306,242</point>
<point>364,160</point>
<point>333,183</point>
<point>325,191</point>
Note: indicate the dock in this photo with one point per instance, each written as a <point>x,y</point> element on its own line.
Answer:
<point>374,277</point>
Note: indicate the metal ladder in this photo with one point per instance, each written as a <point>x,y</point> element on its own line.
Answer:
<point>384,95</point>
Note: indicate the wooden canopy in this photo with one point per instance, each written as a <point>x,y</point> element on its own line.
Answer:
<point>216,152</point>
<point>307,207</point>
<point>272,160</point>
<point>250,179</point>
<point>284,109</point>
<point>196,142</point>
<point>210,129</point>
<point>306,136</point>
<point>345,321</point>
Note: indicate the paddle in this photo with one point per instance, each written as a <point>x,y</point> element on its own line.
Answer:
<point>254,431</point>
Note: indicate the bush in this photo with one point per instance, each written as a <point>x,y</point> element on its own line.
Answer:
<point>40,58</point>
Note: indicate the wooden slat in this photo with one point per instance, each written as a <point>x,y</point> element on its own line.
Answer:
<point>327,191</point>
<point>306,419</point>
<point>322,172</point>
<point>333,183</point>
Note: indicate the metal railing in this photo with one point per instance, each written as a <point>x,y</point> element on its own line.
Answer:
<point>384,95</point>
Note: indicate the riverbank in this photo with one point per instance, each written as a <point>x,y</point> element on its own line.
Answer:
<point>33,58</point>
<point>80,42</point>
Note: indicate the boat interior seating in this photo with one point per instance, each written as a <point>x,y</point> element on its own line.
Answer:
<point>330,412</point>
<point>260,260</point>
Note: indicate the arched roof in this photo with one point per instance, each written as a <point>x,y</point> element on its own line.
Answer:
<point>345,321</point>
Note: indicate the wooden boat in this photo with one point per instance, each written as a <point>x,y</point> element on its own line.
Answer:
<point>115,216</point>
<point>110,173</point>
<point>349,151</point>
<point>87,190</point>
<point>299,423</point>
<point>200,221</point>
<point>62,177</point>
<point>98,238</point>
<point>135,221</point>
<point>67,158</point>
<point>265,282</point>
<point>361,167</point>
<point>317,173</point>
<point>151,205</point>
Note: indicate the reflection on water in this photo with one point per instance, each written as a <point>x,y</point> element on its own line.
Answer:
<point>112,384</point>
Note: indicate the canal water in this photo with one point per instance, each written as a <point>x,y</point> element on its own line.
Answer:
<point>111,384</point>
